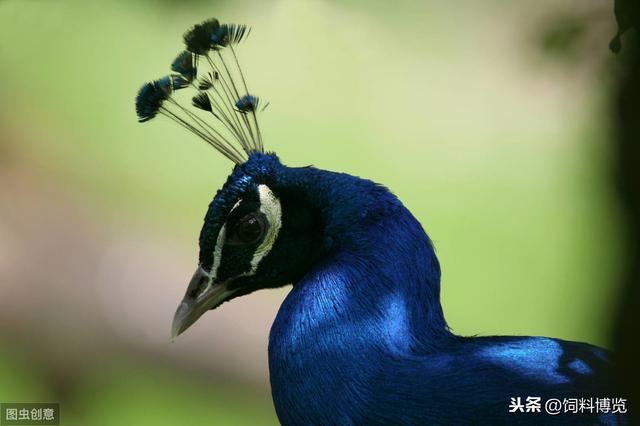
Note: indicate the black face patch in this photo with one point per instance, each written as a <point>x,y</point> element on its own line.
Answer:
<point>298,246</point>
<point>292,243</point>
<point>235,258</point>
<point>242,184</point>
<point>235,261</point>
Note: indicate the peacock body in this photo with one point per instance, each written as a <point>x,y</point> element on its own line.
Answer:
<point>361,337</point>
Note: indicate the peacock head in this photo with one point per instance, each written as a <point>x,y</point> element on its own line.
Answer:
<point>259,232</point>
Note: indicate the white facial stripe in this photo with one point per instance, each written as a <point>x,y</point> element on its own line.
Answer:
<point>235,205</point>
<point>217,251</point>
<point>271,208</point>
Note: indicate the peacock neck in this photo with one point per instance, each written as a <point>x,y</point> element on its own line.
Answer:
<point>379,265</point>
<point>382,293</point>
<point>374,295</point>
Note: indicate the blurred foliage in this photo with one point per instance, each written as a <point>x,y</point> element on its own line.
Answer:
<point>18,380</point>
<point>575,35</point>
<point>135,392</point>
<point>562,36</point>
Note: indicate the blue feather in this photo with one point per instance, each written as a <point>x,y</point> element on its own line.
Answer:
<point>151,96</point>
<point>184,64</point>
<point>198,38</point>
<point>228,34</point>
<point>362,338</point>
<point>247,103</point>
<point>179,82</point>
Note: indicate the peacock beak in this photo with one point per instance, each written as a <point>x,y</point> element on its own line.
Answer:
<point>201,296</point>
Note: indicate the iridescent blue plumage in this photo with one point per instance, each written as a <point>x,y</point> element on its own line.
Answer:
<point>150,98</point>
<point>179,82</point>
<point>361,339</point>
<point>198,38</point>
<point>228,34</point>
<point>165,84</point>
<point>247,103</point>
<point>220,91</point>
<point>184,64</point>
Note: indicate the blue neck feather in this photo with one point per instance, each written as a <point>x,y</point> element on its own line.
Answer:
<point>362,339</point>
<point>376,291</point>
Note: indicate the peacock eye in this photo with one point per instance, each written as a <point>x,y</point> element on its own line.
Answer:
<point>247,230</point>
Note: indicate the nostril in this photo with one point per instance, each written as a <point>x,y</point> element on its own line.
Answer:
<point>199,288</point>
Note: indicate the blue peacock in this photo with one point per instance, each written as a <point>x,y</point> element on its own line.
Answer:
<point>361,338</point>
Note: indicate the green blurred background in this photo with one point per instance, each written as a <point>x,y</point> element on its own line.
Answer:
<point>489,119</point>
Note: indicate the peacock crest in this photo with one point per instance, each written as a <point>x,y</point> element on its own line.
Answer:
<point>209,67</point>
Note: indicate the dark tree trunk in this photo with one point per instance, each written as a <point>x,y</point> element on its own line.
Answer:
<point>626,335</point>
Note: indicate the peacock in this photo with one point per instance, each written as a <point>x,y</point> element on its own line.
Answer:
<point>361,338</point>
